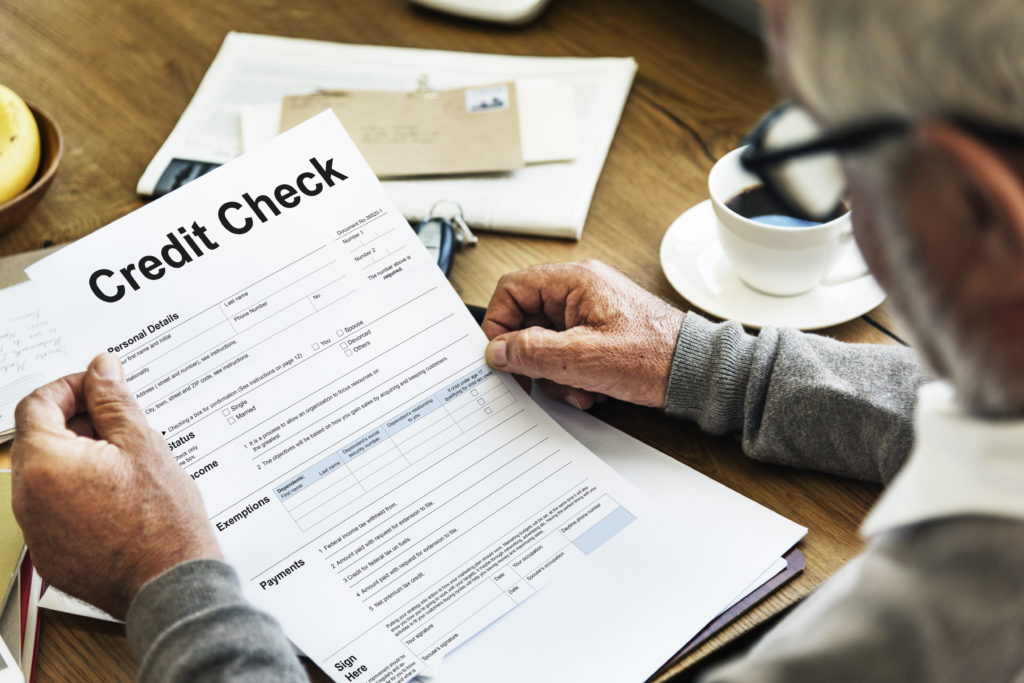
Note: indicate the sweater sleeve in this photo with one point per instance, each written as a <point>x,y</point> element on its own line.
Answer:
<point>798,399</point>
<point>192,623</point>
<point>937,601</point>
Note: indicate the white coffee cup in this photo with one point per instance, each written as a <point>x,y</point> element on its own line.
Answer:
<point>783,261</point>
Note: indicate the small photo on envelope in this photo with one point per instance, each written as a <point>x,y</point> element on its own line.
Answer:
<point>493,98</point>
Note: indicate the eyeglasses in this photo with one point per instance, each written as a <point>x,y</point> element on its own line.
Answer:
<point>798,162</point>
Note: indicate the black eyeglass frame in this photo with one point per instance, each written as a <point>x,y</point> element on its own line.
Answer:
<point>762,162</point>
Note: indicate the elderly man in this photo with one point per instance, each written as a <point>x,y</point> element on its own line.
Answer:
<point>923,101</point>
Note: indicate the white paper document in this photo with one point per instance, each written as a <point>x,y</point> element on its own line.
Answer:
<point>547,199</point>
<point>62,602</point>
<point>699,549</point>
<point>32,350</point>
<point>380,490</point>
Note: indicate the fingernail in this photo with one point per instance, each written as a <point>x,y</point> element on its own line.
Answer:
<point>497,354</point>
<point>572,400</point>
<point>108,366</point>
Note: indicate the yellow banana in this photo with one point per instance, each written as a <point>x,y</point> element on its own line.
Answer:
<point>19,145</point>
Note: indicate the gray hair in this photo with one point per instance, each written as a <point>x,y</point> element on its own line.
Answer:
<point>909,57</point>
<point>853,59</point>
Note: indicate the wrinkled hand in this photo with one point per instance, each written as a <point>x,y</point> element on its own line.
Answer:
<point>103,505</point>
<point>586,330</point>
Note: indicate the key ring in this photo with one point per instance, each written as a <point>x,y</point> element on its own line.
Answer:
<point>465,235</point>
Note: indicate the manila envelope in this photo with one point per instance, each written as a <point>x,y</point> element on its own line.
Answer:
<point>469,130</point>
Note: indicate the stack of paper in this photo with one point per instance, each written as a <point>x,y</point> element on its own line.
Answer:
<point>18,628</point>
<point>393,501</point>
<point>546,199</point>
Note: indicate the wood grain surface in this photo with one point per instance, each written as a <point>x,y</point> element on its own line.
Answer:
<point>116,76</point>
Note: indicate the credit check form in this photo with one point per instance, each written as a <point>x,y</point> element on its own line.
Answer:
<point>379,489</point>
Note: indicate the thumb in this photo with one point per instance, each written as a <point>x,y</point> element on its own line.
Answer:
<point>115,415</point>
<point>535,352</point>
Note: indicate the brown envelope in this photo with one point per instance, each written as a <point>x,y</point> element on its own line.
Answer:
<point>470,130</point>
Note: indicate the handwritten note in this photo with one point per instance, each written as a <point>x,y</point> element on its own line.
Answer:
<point>32,350</point>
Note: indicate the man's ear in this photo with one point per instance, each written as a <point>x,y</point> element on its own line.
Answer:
<point>997,186</point>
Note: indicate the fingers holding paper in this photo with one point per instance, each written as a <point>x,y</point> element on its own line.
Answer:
<point>102,503</point>
<point>586,329</point>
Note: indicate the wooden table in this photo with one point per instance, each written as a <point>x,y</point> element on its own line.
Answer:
<point>116,76</point>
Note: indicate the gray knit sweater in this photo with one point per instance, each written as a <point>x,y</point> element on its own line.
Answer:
<point>939,601</point>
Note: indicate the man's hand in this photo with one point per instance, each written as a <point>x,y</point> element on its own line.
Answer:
<point>586,330</point>
<point>103,505</point>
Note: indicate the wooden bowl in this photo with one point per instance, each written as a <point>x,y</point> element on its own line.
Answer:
<point>14,210</point>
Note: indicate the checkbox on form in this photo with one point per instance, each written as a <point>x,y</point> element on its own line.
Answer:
<point>315,346</point>
<point>231,420</point>
<point>347,352</point>
<point>226,411</point>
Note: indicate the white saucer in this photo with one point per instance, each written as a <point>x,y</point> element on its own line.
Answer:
<point>695,265</point>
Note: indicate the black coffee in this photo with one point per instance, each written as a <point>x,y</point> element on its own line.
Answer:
<point>758,204</point>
